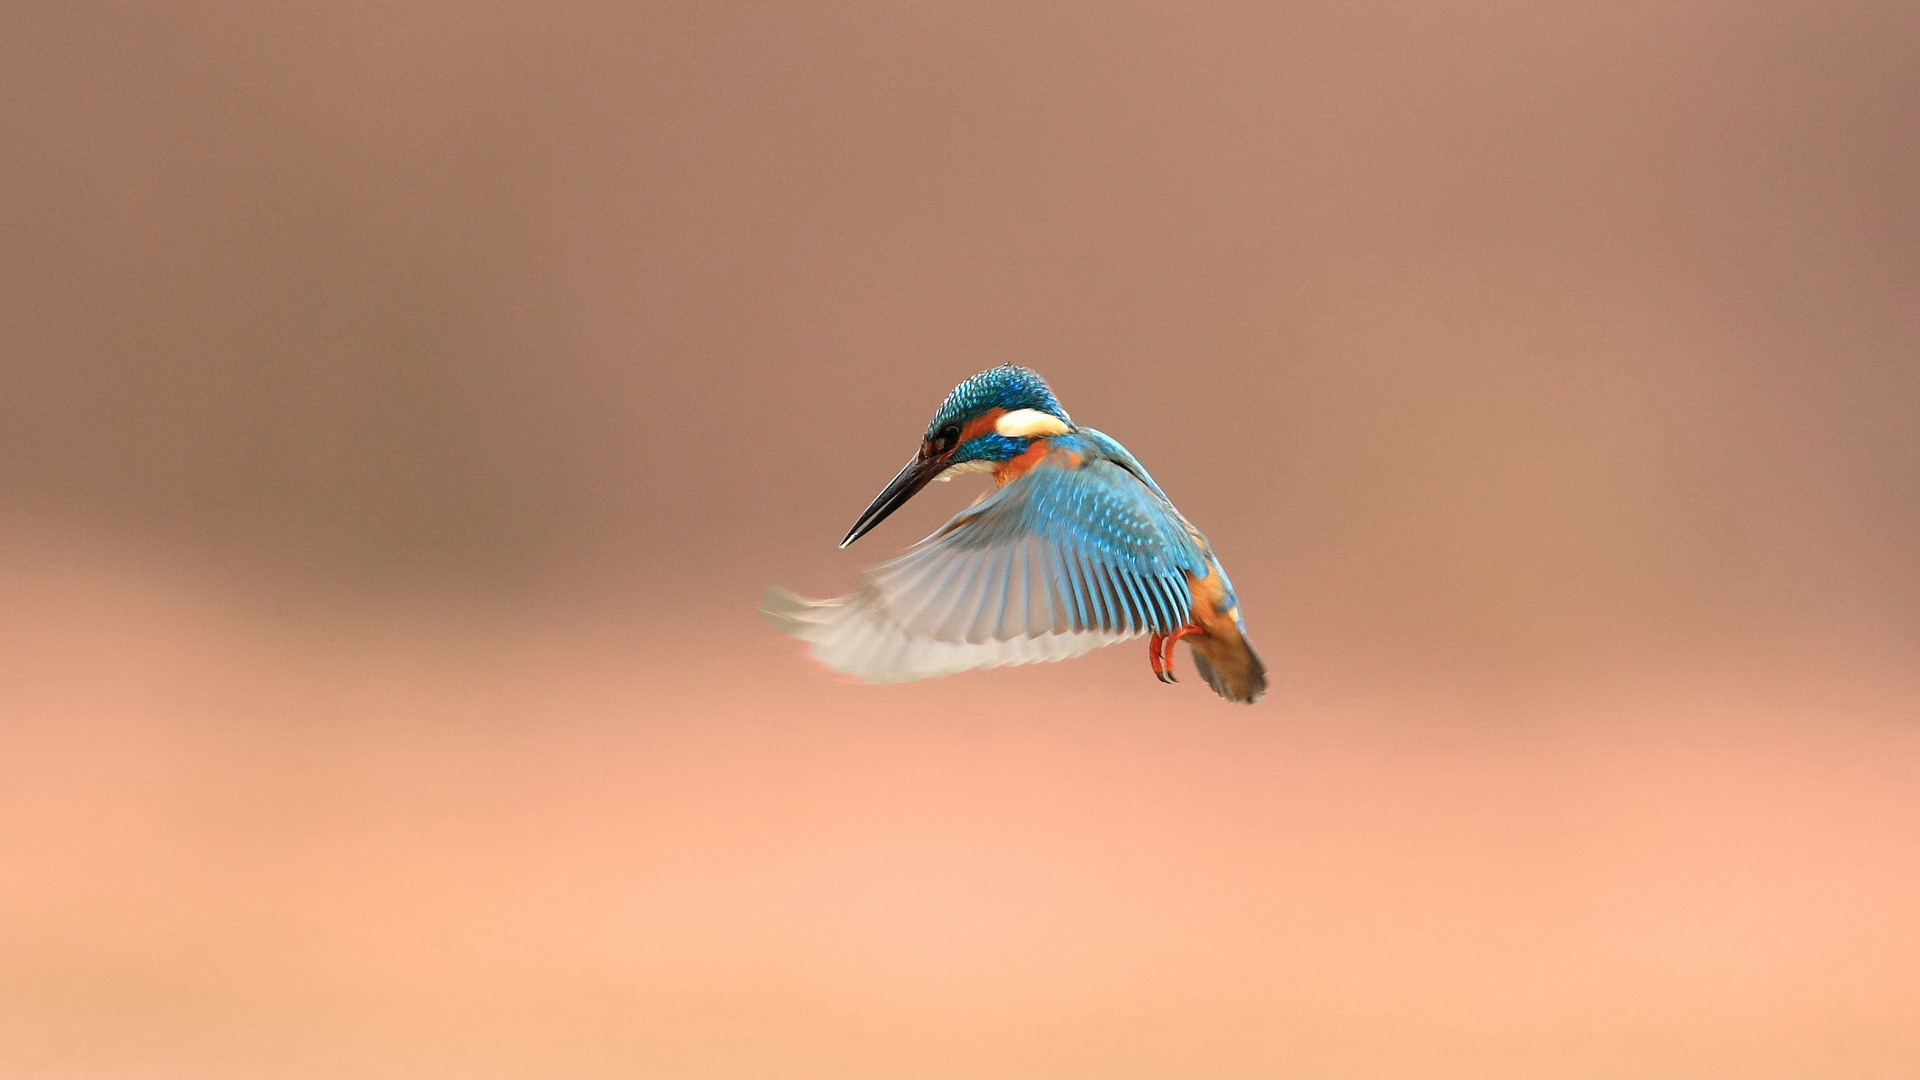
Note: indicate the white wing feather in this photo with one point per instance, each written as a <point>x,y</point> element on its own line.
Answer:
<point>1057,564</point>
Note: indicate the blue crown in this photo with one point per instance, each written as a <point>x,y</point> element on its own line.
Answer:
<point>1006,387</point>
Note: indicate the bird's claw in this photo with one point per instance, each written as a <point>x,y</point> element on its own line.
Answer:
<point>1160,652</point>
<point>1160,656</point>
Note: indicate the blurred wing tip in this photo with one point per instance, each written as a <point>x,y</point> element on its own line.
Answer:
<point>792,613</point>
<point>853,639</point>
<point>779,603</point>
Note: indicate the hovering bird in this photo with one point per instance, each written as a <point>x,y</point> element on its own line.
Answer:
<point>1074,548</point>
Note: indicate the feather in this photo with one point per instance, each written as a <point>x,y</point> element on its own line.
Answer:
<point>1077,553</point>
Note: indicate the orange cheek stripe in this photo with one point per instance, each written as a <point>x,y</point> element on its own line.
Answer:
<point>981,424</point>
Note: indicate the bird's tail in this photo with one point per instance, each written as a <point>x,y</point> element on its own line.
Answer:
<point>1225,658</point>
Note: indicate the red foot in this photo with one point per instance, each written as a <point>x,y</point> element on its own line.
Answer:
<point>1160,652</point>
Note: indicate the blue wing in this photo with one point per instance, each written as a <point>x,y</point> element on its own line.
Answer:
<point>1063,560</point>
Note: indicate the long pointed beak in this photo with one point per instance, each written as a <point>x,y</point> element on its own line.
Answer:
<point>918,474</point>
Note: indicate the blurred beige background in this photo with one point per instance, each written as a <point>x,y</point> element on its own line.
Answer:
<point>402,407</point>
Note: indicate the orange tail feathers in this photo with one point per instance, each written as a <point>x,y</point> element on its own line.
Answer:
<point>1224,658</point>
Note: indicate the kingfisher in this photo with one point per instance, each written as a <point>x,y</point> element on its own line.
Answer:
<point>1075,547</point>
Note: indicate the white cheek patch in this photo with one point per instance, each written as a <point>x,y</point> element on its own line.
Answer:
<point>963,468</point>
<point>1029,424</point>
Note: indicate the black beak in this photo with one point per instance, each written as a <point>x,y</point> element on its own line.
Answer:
<point>918,474</point>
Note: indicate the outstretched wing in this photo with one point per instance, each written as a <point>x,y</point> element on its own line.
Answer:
<point>1067,558</point>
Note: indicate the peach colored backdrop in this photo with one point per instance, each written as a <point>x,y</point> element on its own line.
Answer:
<point>403,405</point>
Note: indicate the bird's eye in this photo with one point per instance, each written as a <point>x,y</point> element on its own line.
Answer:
<point>944,439</point>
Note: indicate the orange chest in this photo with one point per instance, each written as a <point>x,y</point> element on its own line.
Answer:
<point>1014,468</point>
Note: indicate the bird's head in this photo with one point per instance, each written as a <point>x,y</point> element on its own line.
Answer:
<point>992,417</point>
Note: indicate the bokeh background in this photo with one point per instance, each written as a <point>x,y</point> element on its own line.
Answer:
<point>403,406</point>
